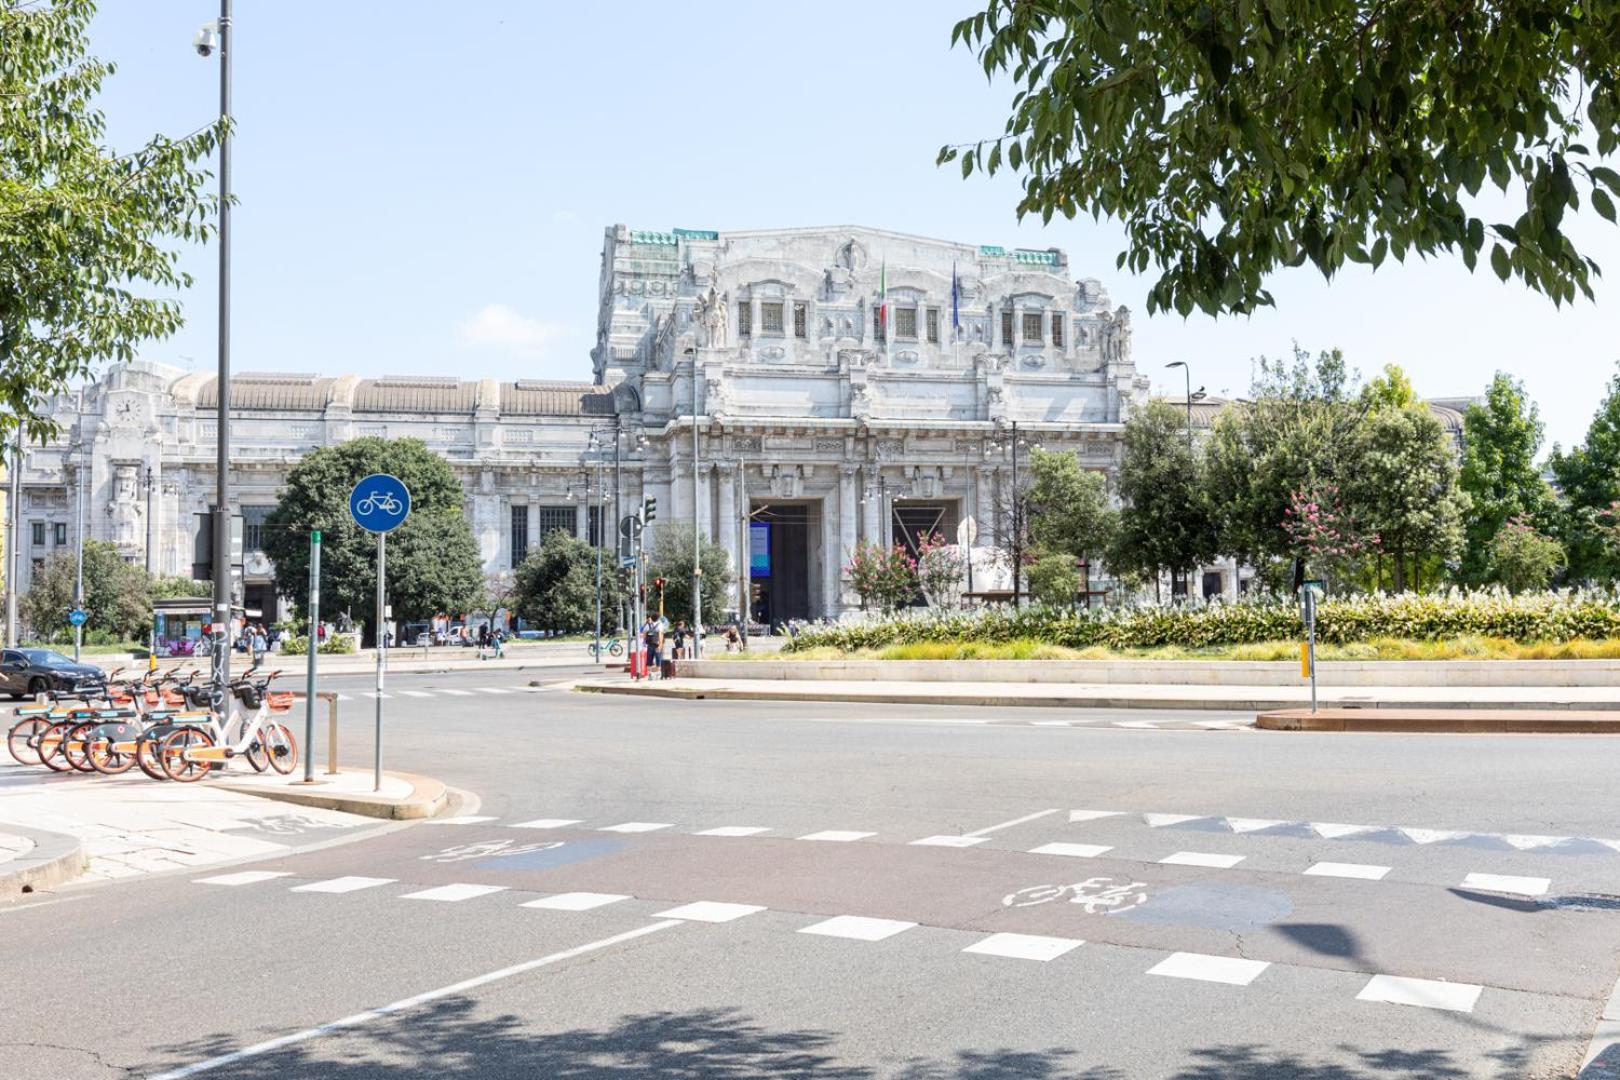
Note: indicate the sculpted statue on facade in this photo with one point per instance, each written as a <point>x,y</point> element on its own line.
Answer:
<point>712,315</point>
<point>860,401</point>
<point>125,510</point>
<point>717,401</point>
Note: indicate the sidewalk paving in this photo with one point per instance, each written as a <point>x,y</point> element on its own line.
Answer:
<point>131,825</point>
<point>1115,695</point>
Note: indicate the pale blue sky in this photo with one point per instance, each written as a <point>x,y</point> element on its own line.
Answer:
<point>423,186</point>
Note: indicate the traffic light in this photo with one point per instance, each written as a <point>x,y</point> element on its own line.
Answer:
<point>649,509</point>
<point>658,583</point>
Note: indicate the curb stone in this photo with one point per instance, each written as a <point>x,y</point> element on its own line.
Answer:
<point>427,799</point>
<point>55,858</point>
<point>1459,721</point>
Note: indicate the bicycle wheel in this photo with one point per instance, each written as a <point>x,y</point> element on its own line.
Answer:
<point>23,739</point>
<point>76,745</point>
<point>258,758</point>
<point>172,750</point>
<point>146,747</point>
<point>50,746</point>
<point>103,758</point>
<point>281,748</point>
<point>616,649</point>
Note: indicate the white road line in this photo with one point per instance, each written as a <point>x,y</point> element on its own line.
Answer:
<point>1424,993</point>
<point>463,819</point>
<point>374,695</point>
<point>838,836</point>
<point>1024,946</point>
<point>734,830</point>
<point>1526,843</point>
<point>451,894</point>
<point>456,693</point>
<point>1050,723</point>
<point>1093,815</point>
<point>1220,969</point>
<point>416,693</point>
<point>1245,824</point>
<point>575,901</point>
<point>1076,851</point>
<point>1430,836</point>
<point>1010,824</point>
<point>1147,724</point>
<point>638,826</point>
<point>858,927</point>
<point>342,884</point>
<point>1159,821</point>
<point>545,823</point>
<point>1329,831</point>
<point>709,911</point>
<point>949,841</point>
<point>1505,883</point>
<point>492,690</point>
<point>1349,870</point>
<point>245,877</point>
<point>344,697</point>
<point>1202,858</point>
<point>369,1015</point>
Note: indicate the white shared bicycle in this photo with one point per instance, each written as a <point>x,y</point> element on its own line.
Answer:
<point>189,752</point>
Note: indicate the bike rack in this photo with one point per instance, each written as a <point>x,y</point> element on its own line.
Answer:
<point>330,697</point>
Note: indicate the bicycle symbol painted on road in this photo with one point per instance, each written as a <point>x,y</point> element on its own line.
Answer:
<point>1098,895</point>
<point>378,502</point>
<point>485,849</point>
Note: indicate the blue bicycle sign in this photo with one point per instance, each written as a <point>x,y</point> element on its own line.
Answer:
<point>379,503</point>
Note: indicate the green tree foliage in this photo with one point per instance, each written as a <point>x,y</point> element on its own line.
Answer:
<point>1523,559</point>
<point>1391,390</point>
<point>433,561</point>
<point>1293,435</point>
<point>1166,523</point>
<point>115,595</point>
<point>1055,579</point>
<point>1068,506</point>
<point>1589,477</point>
<point>1235,139</point>
<point>82,226</point>
<point>672,560</point>
<point>1499,474</point>
<point>557,586</point>
<point>1404,488</point>
<point>179,588</point>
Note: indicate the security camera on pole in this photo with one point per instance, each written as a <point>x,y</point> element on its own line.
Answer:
<point>379,504</point>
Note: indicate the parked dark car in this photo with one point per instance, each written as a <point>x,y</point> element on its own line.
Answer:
<point>33,671</point>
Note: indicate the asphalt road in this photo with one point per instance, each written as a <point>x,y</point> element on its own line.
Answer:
<point>731,889</point>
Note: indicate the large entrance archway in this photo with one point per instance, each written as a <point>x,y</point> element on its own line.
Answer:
<point>784,560</point>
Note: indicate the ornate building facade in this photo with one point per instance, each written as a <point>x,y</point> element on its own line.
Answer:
<point>845,385</point>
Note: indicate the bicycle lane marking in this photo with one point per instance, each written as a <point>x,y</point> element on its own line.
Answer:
<point>404,1004</point>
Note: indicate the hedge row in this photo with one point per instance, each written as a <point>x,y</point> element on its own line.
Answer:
<point>1549,616</point>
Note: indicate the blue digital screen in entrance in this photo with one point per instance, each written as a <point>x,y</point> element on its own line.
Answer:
<point>759,549</point>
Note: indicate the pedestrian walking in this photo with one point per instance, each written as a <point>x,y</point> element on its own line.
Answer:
<point>499,638</point>
<point>483,641</point>
<point>678,640</point>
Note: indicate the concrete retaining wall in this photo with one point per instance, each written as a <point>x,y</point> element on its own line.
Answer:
<point>1373,673</point>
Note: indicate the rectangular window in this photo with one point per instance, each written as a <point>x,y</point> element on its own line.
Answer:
<point>1057,329</point>
<point>770,318</point>
<point>595,524</point>
<point>933,326</point>
<point>520,534</point>
<point>553,518</point>
<point>253,519</point>
<point>877,324</point>
<point>60,528</point>
<point>801,320</point>
<point>1006,327</point>
<point>1032,327</point>
<point>38,530</point>
<point>745,317</point>
<point>905,323</point>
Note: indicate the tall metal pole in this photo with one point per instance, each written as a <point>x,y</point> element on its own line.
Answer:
<point>14,539</point>
<point>382,660</point>
<point>596,653</point>
<point>697,542</point>
<point>222,448</point>
<point>620,547</point>
<point>151,631</point>
<point>314,648</point>
<point>78,569</point>
<point>1017,523</point>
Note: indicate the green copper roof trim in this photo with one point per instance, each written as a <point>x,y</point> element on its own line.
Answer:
<point>697,234</point>
<point>992,249</point>
<point>662,238</point>
<point>1042,258</point>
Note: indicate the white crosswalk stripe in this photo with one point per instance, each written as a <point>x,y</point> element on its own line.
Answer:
<point>455,893</point>
<point>245,877</point>
<point>1221,969</point>
<point>1424,993</point>
<point>858,927</point>
<point>575,901</point>
<point>711,911</point>
<point>342,884</point>
<point>415,693</point>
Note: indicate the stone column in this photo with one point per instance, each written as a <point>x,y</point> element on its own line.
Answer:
<point>582,520</point>
<point>705,504</point>
<point>871,507</point>
<point>848,511</point>
<point>729,523</point>
<point>153,483</point>
<point>1018,325</point>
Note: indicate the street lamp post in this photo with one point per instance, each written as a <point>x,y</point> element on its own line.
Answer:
<point>14,539</point>
<point>697,542</point>
<point>214,36</point>
<point>1016,512</point>
<point>78,566</point>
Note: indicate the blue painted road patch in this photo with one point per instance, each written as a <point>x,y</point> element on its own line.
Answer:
<point>563,855</point>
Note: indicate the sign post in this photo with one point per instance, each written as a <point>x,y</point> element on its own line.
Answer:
<point>314,640</point>
<point>379,504</point>
<point>1307,596</point>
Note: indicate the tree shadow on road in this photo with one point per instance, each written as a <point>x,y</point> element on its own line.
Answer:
<point>449,1039</point>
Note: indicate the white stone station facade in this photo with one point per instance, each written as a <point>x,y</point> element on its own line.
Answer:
<point>851,385</point>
